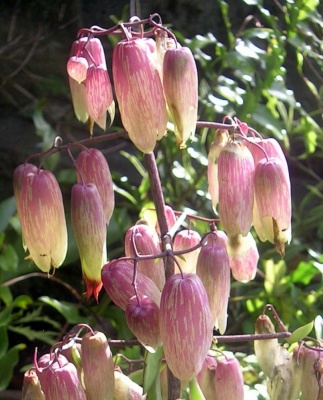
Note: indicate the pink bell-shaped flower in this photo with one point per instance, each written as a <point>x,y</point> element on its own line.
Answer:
<point>145,240</point>
<point>118,282</point>
<point>206,377</point>
<point>185,325</point>
<point>181,90</point>
<point>98,366</point>
<point>184,240</point>
<point>89,227</point>
<point>93,167</point>
<point>273,200</point>
<point>91,94</point>
<point>312,372</point>
<point>126,388</point>
<point>18,177</point>
<point>139,92</point>
<point>42,217</point>
<point>59,378</point>
<point>228,379</point>
<point>213,267</point>
<point>220,140</point>
<point>142,316</point>
<point>244,256</point>
<point>236,188</point>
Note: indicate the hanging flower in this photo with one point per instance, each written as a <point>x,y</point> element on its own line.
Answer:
<point>236,188</point>
<point>181,90</point>
<point>42,217</point>
<point>273,199</point>
<point>94,168</point>
<point>184,240</point>
<point>185,325</point>
<point>139,92</point>
<point>229,379</point>
<point>89,226</point>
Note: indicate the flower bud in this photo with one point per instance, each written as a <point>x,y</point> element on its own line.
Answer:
<point>31,389</point>
<point>142,316</point>
<point>266,350</point>
<point>99,97</point>
<point>18,177</point>
<point>118,282</point>
<point>139,92</point>
<point>244,256</point>
<point>229,379</point>
<point>89,226</point>
<point>206,378</point>
<point>312,381</point>
<point>181,90</point>
<point>59,378</point>
<point>170,218</point>
<point>236,188</point>
<point>98,366</point>
<point>43,220</point>
<point>213,267</point>
<point>93,167</point>
<point>273,199</point>
<point>77,68</point>
<point>184,240</point>
<point>185,325</point>
<point>126,389</point>
<point>145,240</point>
<point>220,140</point>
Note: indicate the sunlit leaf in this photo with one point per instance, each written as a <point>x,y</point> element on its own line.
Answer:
<point>152,366</point>
<point>68,310</point>
<point>300,333</point>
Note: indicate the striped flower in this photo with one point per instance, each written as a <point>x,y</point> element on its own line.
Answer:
<point>139,92</point>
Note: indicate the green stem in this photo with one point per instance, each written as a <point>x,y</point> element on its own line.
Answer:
<point>195,390</point>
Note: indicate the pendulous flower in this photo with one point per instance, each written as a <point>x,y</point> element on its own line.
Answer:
<point>98,366</point>
<point>184,240</point>
<point>181,91</point>
<point>90,230</point>
<point>93,167</point>
<point>236,188</point>
<point>228,379</point>
<point>139,92</point>
<point>42,217</point>
<point>185,325</point>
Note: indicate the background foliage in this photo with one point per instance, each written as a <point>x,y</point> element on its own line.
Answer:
<point>262,63</point>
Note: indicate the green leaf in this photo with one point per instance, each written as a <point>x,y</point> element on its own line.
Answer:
<point>31,334</point>
<point>304,273</point>
<point>68,310</point>
<point>300,333</point>
<point>7,364</point>
<point>4,341</point>
<point>152,367</point>
<point>8,258</point>
<point>5,316</point>
<point>195,390</point>
<point>6,295</point>
<point>7,209</point>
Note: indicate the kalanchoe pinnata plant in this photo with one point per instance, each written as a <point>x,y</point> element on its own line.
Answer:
<point>90,83</point>
<point>184,240</point>
<point>185,325</point>
<point>42,218</point>
<point>213,267</point>
<point>93,167</point>
<point>220,139</point>
<point>118,282</point>
<point>59,378</point>
<point>98,366</point>
<point>236,188</point>
<point>142,239</point>
<point>243,256</point>
<point>273,201</point>
<point>142,316</point>
<point>90,231</point>
<point>228,379</point>
<point>139,91</point>
<point>31,389</point>
<point>181,91</point>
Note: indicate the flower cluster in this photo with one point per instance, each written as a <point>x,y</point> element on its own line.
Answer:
<point>249,183</point>
<point>78,368</point>
<point>41,212</point>
<point>149,76</point>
